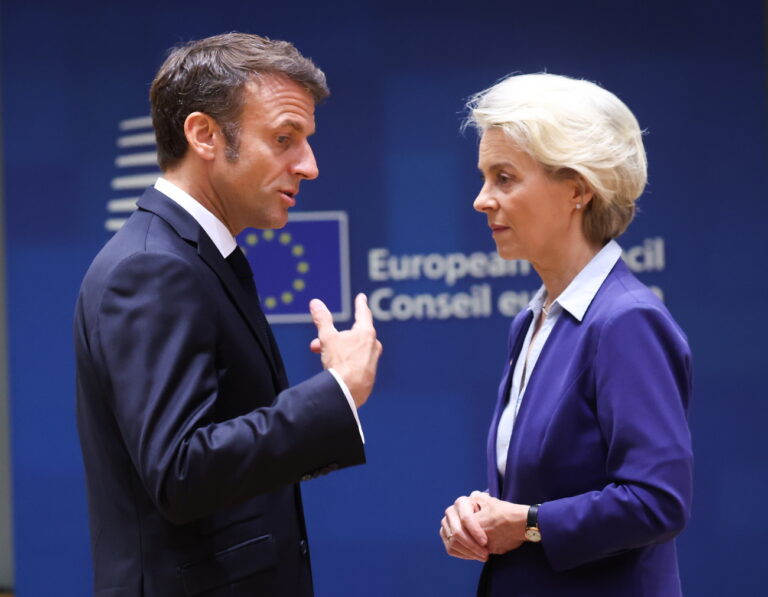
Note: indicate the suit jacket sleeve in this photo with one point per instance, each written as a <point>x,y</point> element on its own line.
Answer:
<point>157,335</point>
<point>642,381</point>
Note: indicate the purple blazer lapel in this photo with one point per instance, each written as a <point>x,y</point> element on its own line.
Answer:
<point>517,331</point>
<point>537,398</point>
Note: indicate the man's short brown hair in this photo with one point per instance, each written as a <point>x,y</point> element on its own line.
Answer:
<point>209,76</point>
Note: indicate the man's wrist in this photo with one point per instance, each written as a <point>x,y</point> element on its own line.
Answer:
<point>348,395</point>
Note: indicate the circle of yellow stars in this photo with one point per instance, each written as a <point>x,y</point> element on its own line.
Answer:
<point>302,266</point>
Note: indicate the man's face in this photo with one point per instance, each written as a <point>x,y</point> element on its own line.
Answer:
<point>256,189</point>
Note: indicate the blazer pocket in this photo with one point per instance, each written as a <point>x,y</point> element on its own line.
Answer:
<point>229,565</point>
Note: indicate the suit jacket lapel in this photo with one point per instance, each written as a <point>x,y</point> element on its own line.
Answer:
<point>245,304</point>
<point>188,229</point>
<point>535,402</point>
<point>516,337</point>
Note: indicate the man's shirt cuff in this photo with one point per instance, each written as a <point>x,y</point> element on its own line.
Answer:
<point>345,389</point>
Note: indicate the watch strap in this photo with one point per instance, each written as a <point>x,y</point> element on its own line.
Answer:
<point>533,516</point>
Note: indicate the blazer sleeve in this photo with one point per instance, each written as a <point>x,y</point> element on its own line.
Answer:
<point>642,377</point>
<point>157,337</point>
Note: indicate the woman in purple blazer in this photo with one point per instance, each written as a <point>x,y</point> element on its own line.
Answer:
<point>589,452</point>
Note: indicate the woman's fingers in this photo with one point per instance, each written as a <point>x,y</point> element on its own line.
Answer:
<point>458,539</point>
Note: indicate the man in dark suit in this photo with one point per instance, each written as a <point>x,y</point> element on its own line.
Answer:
<point>192,440</point>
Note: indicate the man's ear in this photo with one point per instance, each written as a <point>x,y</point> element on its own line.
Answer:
<point>202,133</point>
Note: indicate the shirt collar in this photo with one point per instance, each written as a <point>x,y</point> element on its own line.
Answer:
<point>213,227</point>
<point>537,303</point>
<point>579,294</point>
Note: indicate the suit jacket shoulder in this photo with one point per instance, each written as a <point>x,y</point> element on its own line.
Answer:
<point>191,440</point>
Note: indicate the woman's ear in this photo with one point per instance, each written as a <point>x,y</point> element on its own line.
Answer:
<point>581,193</point>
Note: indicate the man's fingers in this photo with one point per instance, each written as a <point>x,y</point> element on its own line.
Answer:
<point>321,317</point>
<point>316,346</point>
<point>363,315</point>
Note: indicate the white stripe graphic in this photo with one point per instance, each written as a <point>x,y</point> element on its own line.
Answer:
<point>148,158</point>
<point>119,205</point>
<point>114,224</point>
<point>142,122</point>
<point>137,181</point>
<point>136,140</point>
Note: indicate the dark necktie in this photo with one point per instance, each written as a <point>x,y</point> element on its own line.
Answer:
<point>242,269</point>
<point>239,264</point>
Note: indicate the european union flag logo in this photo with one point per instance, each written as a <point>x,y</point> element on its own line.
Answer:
<point>307,258</point>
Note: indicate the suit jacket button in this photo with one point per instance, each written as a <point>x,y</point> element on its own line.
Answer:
<point>303,547</point>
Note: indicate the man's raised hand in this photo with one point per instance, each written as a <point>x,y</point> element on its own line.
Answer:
<point>353,353</point>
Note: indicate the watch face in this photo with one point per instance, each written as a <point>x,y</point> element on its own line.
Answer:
<point>533,535</point>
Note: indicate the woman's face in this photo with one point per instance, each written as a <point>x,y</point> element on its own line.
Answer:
<point>530,214</point>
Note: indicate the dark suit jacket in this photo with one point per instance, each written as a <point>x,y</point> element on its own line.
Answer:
<point>192,442</point>
<point>602,442</point>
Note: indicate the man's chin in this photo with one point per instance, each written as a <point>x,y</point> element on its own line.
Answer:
<point>270,222</point>
<point>281,222</point>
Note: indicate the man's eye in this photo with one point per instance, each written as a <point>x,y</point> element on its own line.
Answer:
<point>504,178</point>
<point>283,139</point>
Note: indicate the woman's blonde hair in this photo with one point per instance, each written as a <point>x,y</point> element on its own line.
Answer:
<point>573,128</point>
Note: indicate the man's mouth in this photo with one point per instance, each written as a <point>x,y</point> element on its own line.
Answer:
<point>289,196</point>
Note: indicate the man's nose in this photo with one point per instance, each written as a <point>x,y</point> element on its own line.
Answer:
<point>306,165</point>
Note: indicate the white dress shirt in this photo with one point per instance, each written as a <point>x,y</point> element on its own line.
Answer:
<point>575,299</point>
<point>226,244</point>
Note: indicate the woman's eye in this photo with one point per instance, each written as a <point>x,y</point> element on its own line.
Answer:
<point>283,139</point>
<point>504,179</point>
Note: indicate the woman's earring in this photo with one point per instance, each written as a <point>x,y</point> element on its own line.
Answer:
<point>578,206</point>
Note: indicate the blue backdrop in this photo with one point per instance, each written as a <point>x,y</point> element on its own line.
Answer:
<point>392,158</point>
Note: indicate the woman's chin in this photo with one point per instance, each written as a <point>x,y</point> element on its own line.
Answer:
<point>509,253</point>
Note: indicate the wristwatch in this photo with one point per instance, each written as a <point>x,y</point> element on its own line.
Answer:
<point>532,532</point>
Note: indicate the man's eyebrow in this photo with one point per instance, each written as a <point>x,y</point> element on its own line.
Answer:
<point>294,124</point>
